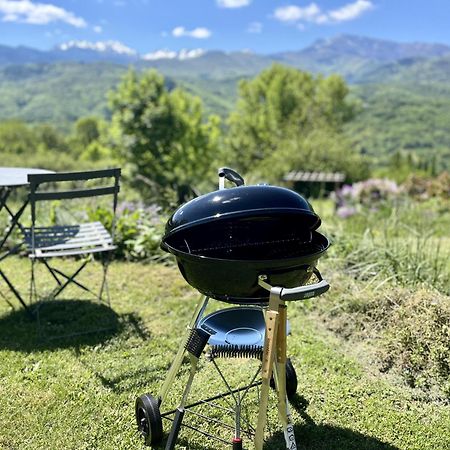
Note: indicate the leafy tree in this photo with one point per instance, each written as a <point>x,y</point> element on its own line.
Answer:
<point>47,138</point>
<point>90,141</point>
<point>87,130</point>
<point>16,138</point>
<point>320,149</point>
<point>286,119</point>
<point>162,136</point>
<point>44,146</point>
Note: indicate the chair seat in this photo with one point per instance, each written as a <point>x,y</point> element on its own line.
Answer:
<point>68,240</point>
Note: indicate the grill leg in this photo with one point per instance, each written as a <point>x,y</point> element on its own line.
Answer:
<point>272,320</point>
<point>237,444</point>
<point>176,364</point>
<point>176,425</point>
<point>280,381</point>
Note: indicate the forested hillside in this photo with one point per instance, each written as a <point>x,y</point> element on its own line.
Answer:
<point>399,122</point>
<point>56,93</point>
<point>61,93</point>
<point>402,90</point>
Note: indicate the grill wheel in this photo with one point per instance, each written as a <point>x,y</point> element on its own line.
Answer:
<point>148,418</point>
<point>291,380</point>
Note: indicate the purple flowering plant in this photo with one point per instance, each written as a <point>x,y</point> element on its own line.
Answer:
<point>366,195</point>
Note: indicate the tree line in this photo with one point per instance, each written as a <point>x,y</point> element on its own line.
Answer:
<point>169,148</point>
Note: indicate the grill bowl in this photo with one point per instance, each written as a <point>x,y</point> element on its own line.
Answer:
<point>230,273</point>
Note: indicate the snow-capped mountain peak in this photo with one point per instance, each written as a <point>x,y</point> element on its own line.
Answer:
<point>99,46</point>
<point>170,54</point>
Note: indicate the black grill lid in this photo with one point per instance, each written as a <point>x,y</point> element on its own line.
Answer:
<point>243,202</point>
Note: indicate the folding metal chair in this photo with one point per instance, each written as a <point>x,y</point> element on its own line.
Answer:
<point>80,240</point>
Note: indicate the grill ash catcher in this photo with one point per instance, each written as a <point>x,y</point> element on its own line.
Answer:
<point>254,247</point>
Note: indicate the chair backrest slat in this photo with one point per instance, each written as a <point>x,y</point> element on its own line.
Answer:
<point>76,193</point>
<point>36,180</point>
<point>72,176</point>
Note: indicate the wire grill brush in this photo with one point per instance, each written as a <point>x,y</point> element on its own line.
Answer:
<point>235,351</point>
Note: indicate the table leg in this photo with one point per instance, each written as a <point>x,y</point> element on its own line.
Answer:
<point>14,291</point>
<point>4,195</point>
<point>14,222</point>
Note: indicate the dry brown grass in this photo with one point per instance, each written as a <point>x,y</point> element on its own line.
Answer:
<point>409,330</point>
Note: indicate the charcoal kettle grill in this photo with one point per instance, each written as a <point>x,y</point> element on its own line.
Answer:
<point>255,247</point>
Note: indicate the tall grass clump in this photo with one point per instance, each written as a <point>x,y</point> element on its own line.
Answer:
<point>402,243</point>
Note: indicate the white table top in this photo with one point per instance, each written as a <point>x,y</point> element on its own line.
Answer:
<point>17,176</point>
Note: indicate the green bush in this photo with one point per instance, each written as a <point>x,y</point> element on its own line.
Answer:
<point>138,231</point>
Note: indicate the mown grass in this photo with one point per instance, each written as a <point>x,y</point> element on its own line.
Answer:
<point>79,392</point>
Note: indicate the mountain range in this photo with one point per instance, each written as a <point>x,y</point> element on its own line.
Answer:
<point>395,83</point>
<point>351,56</point>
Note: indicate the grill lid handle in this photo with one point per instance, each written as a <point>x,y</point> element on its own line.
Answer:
<point>230,175</point>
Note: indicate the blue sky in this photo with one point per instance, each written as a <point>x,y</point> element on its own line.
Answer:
<point>262,26</point>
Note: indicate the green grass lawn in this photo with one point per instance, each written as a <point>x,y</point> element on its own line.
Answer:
<point>78,393</point>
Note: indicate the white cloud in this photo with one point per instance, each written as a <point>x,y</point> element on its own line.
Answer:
<point>313,13</point>
<point>27,11</point>
<point>171,54</point>
<point>178,31</point>
<point>100,46</point>
<point>294,13</point>
<point>198,33</point>
<point>350,11</point>
<point>97,29</point>
<point>255,27</point>
<point>233,3</point>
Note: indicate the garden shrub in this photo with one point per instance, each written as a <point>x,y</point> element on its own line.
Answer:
<point>423,188</point>
<point>138,233</point>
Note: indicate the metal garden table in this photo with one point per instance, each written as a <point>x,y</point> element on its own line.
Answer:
<point>12,178</point>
